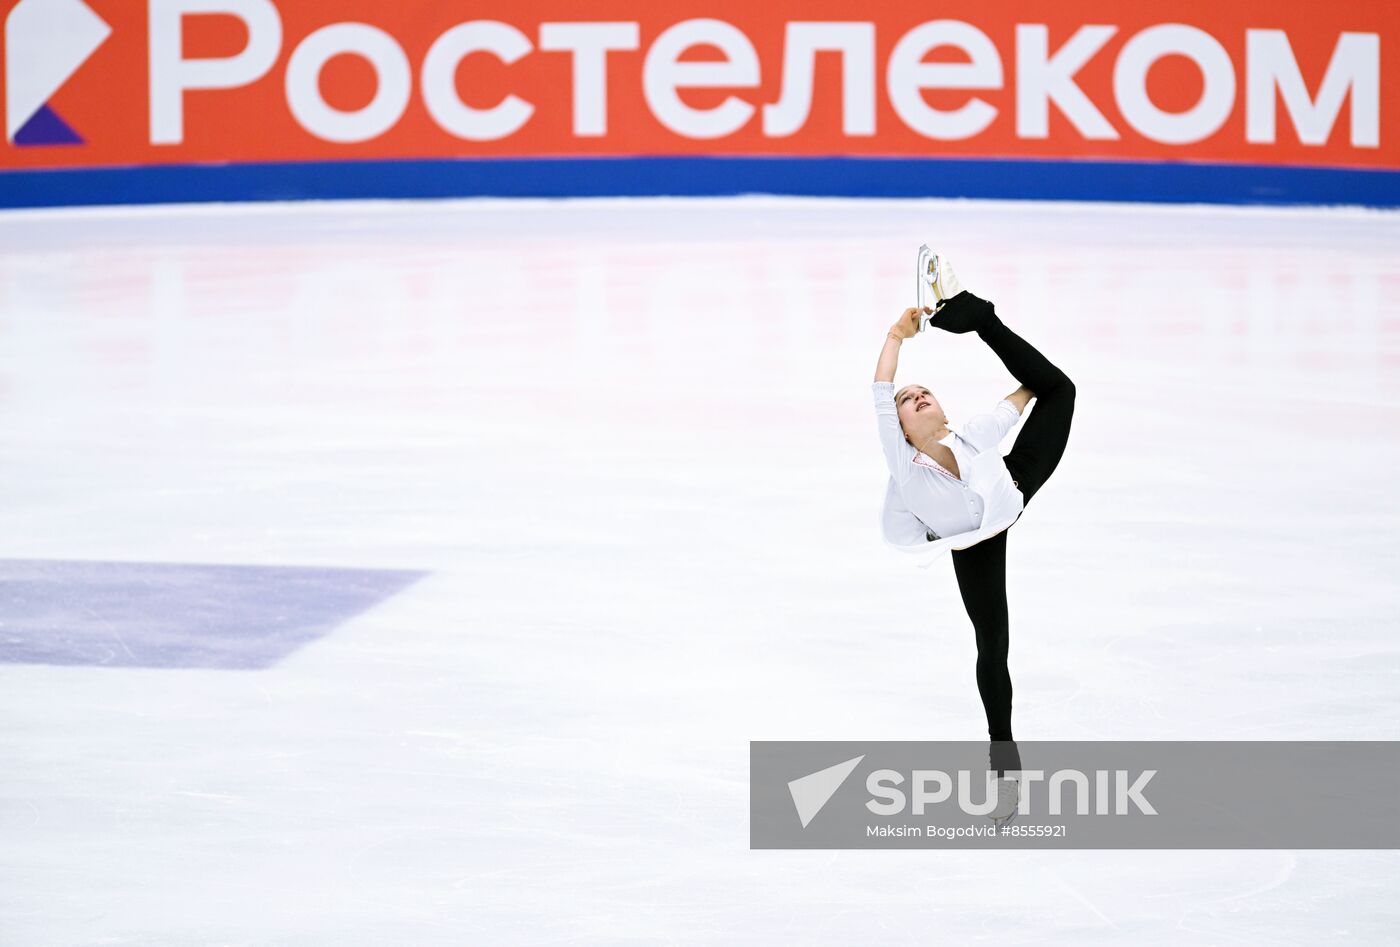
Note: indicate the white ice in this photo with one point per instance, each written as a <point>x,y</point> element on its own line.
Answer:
<point>633,443</point>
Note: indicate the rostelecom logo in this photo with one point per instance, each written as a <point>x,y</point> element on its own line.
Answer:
<point>46,41</point>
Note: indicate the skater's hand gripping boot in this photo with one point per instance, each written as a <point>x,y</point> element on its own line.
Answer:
<point>910,323</point>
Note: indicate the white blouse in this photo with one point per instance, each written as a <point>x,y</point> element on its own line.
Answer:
<point>927,510</point>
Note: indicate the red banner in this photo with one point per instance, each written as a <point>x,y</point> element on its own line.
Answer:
<point>91,83</point>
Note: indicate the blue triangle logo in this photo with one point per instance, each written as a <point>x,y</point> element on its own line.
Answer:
<point>47,128</point>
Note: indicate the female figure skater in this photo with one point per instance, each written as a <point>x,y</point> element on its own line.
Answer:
<point>950,489</point>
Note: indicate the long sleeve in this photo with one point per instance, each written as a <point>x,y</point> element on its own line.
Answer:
<point>985,431</point>
<point>898,453</point>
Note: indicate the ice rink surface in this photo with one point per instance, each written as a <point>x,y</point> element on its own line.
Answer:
<point>581,497</point>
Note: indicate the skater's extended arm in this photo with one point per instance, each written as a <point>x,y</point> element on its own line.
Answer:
<point>896,448</point>
<point>985,431</point>
<point>905,327</point>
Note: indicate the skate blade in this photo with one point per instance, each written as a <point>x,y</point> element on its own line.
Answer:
<point>926,279</point>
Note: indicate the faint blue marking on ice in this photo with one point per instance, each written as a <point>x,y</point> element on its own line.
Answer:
<point>156,615</point>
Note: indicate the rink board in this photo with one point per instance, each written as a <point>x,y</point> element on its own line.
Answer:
<point>705,177</point>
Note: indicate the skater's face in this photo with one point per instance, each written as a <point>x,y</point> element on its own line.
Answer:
<point>919,411</point>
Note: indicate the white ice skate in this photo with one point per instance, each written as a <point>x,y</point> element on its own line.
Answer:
<point>936,282</point>
<point>1008,798</point>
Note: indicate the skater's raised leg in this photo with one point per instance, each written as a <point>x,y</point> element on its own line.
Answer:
<point>1042,439</point>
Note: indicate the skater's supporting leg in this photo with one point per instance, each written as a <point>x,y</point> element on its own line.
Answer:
<point>981,572</point>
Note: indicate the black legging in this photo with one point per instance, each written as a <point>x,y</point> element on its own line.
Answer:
<point>981,569</point>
